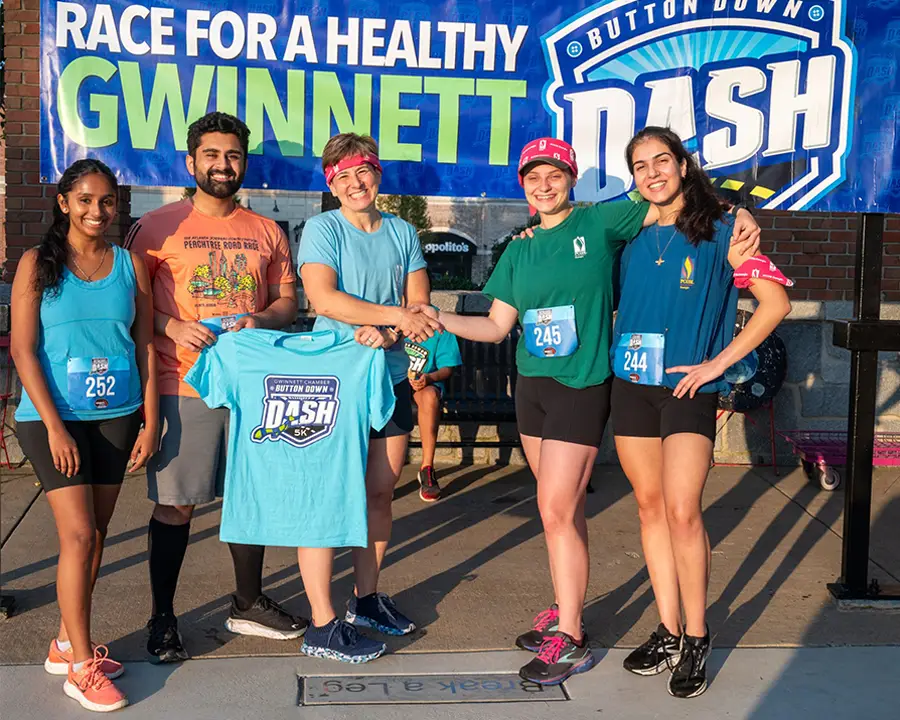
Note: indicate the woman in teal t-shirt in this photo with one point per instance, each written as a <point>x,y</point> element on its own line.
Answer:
<point>673,343</point>
<point>82,341</point>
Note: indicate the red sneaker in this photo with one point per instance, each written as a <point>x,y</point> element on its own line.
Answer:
<point>429,490</point>
<point>58,661</point>
<point>91,688</point>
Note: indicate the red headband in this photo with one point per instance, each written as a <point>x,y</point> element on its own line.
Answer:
<point>351,162</point>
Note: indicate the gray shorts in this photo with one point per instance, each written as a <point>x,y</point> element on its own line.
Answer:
<point>189,468</point>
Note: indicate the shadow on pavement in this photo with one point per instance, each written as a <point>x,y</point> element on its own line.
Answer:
<point>866,688</point>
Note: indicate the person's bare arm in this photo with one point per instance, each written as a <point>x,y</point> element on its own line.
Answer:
<point>493,328</point>
<point>24,337</point>
<point>774,306</point>
<point>320,285</point>
<point>280,312</point>
<point>145,357</point>
<point>440,375</point>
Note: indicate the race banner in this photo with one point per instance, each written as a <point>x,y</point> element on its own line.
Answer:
<point>794,104</point>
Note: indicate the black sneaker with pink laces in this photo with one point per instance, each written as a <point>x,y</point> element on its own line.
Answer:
<point>559,658</point>
<point>545,622</point>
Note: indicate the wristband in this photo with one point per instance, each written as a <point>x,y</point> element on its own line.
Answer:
<point>759,268</point>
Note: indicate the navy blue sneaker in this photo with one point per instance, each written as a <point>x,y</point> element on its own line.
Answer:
<point>339,640</point>
<point>377,611</point>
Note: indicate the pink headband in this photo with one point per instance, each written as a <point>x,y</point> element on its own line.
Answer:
<point>351,162</point>
<point>556,152</point>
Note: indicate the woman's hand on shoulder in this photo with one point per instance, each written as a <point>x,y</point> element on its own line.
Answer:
<point>746,233</point>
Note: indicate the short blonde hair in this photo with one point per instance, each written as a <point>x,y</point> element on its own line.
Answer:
<point>347,145</point>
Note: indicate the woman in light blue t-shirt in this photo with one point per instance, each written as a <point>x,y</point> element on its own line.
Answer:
<point>82,342</point>
<point>360,269</point>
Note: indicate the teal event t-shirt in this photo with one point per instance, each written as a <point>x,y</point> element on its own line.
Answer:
<point>301,408</point>
<point>369,266</point>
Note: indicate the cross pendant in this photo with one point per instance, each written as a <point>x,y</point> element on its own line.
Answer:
<point>660,261</point>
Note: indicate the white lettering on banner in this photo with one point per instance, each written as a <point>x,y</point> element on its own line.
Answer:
<point>160,31</point>
<point>372,42</point>
<point>452,30</point>
<point>194,33</point>
<point>300,41</point>
<point>732,77</point>
<point>402,46</point>
<point>70,21</point>
<point>349,40</point>
<point>728,146</point>
<point>788,102</point>
<point>671,105</point>
<point>128,16</point>
<point>261,31</point>
<point>216,42</point>
<point>511,45</point>
<point>352,41</point>
<point>103,30</point>
<point>445,247</point>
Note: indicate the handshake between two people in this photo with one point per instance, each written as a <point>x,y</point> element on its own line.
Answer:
<point>416,322</point>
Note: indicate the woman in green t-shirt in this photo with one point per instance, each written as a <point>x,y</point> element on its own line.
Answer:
<point>559,285</point>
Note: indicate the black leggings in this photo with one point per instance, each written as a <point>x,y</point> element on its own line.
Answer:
<point>104,446</point>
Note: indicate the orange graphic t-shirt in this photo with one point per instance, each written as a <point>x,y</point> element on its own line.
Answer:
<point>204,267</point>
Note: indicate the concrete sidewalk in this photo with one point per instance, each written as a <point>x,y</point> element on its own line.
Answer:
<point>472,571</point>
<point>760,684</point>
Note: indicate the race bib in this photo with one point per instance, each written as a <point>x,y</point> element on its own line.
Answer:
<point>640,358</point>
<point>551,332</point>
<point>98,383</point>
<point>418,357</point>
<point>221,324</point>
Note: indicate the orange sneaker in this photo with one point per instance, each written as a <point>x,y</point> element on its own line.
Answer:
<point>91,688</point>
<point>57,662</point>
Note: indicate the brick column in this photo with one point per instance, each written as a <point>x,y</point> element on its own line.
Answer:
<point>28,202</point>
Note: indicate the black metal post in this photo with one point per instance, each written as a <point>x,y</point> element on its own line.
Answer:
<point>861,423</point>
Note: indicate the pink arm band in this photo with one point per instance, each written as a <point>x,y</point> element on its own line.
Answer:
<point>759,267</point>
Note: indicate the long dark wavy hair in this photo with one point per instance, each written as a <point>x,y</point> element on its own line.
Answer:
<point>53,250</point>
<point>702,207</point>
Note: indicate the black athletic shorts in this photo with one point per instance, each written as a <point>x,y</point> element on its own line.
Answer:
<point>401,422</point>
<point>547,409</point>
<point>654,412</point>
<point>104,447</point>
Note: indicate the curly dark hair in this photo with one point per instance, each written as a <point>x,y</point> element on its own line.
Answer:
<point>53,250</point>
<point>702,206</point>
<point>217,122</point>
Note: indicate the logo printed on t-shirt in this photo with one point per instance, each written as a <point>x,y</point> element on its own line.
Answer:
<point>224,284</point>
<point>299,409</point>
<point>580,250</point>
<point>687,272</point>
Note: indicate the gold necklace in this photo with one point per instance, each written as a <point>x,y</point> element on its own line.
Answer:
<point>88,276</point>
<point>659,261</point>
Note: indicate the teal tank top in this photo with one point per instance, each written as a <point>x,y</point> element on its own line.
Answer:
<point>85,346</point>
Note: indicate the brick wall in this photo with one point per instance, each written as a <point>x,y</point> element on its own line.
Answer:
<point>29,203</point>
<point>819,251</point>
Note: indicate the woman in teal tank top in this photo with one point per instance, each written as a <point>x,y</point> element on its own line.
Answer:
<point>82,330</point>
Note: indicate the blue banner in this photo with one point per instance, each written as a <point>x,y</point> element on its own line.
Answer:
<point>792,103</point>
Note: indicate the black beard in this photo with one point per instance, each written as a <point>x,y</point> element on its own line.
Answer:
<point>218,189</point>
